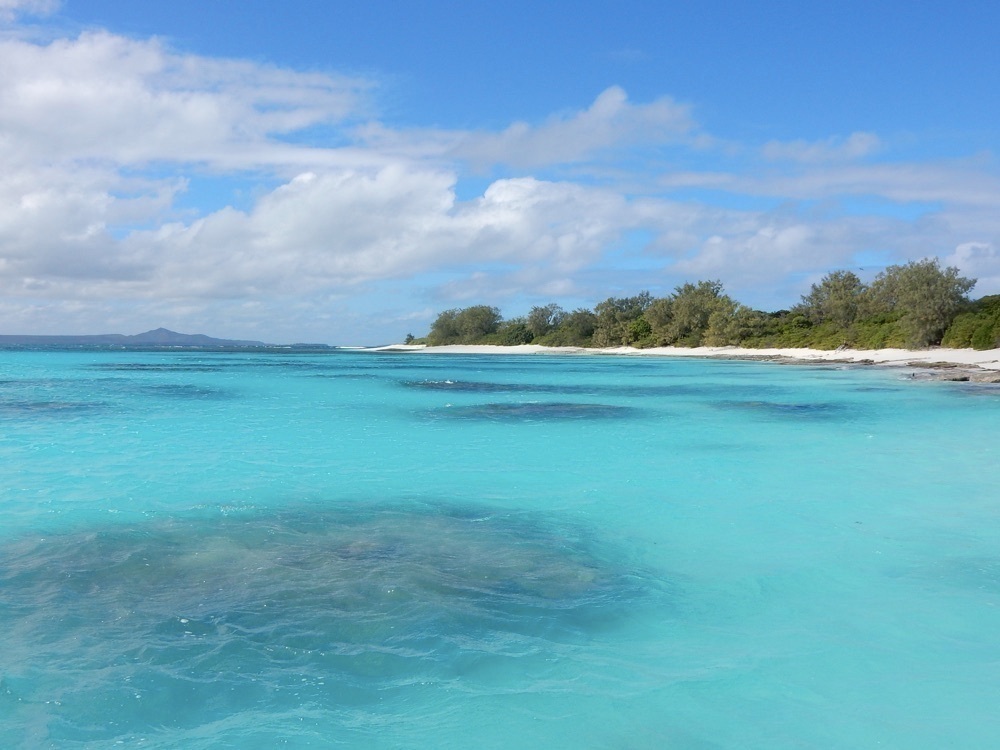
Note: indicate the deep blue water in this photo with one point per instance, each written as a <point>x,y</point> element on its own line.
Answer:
<point>374,550</point>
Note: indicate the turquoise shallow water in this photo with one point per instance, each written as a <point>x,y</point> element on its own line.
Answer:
<point>351,549</point>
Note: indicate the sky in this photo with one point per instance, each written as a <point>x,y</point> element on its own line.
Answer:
<point>341,172</point>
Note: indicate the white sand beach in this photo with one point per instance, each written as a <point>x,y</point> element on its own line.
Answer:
<point>935,358</point>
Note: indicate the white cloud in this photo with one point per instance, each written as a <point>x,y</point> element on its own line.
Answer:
<point>10,9</point>
<point>855,146</point>
<point>772,248</point>
<point>973,184</point>
<point>54,224</point>
<point>930,182</point>
<point>100,136</point>
<point>609,122</point>
<point>105,97</point>
<point>980,261</point>
<point>316,233</point>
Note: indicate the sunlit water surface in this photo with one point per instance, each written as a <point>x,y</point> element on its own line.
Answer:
<point>351,549</point>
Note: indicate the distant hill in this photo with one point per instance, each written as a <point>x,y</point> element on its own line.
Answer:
<point>159,337</point>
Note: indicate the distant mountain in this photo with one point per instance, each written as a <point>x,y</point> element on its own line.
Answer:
<point>163,337</point>
<point>159,337</point>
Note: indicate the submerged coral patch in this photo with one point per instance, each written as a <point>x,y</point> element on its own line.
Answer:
<point>334,607</point>
<point>642,390</point>
<point>800,410</point>
<point>48,409</point>
<point>371,557</point>
<point>181,391</point>
<point>472,386</point>
<point>534,411</point>
<point>155,367</point>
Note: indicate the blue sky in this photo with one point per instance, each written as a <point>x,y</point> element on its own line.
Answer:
<point>340,172</point>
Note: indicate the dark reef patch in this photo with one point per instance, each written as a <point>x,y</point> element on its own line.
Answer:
<point>632,391</point>
<point>473,386</point>
<point>157,367</point>
<point>807,410</point>
<point>353,376</point>
<point>204,616</point>
<point>49,409</point>
<point>467,560</point>
<point>180,391</point>
<point>533,411</point>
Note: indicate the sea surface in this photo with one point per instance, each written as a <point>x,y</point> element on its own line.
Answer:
<point>397,550</point>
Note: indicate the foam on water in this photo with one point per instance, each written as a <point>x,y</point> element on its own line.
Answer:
<point>203,550</point>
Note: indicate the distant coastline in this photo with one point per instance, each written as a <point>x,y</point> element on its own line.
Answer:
<point>938,363</point>
<point>157,338</point>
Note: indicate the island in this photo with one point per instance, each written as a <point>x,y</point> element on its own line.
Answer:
<point>160,337</point>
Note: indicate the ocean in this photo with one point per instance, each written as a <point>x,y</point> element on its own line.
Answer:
<point>401,550</point>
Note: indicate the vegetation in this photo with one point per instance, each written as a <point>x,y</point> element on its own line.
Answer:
<point>977,326</point>
<point>471,325</point>
<point>915,305</point>
<point>925,298</point>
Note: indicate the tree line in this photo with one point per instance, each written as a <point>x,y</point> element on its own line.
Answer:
<point>914,306</point>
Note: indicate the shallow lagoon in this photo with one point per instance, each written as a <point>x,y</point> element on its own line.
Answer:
<point>388,550</point>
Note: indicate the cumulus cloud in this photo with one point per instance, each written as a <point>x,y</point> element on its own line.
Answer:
<point>101,135</point>
<point>87,123</point>
<point>105,97</point>
<point>328,230</point>
<point>55,223</point>
<point>316,233</point>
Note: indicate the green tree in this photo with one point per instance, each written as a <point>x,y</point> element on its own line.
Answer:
<point>659,315</point>
<point>691,308</point>
<point>615,317</point>
<point>575,329</point>
<point>464,326</point>
<point>733,324</point>
<point>542,320</point>
<point>639,332</point>
<point>512,333</point>
<point>478,321</point>
<point>977,327</point>
<point>836,298</point>
<point>444,329</point>
<point>926,297</point>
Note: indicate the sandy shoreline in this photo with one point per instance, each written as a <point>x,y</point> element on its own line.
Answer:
<point>950,364</point>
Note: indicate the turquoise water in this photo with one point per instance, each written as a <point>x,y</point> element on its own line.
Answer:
<point>351,549</point>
